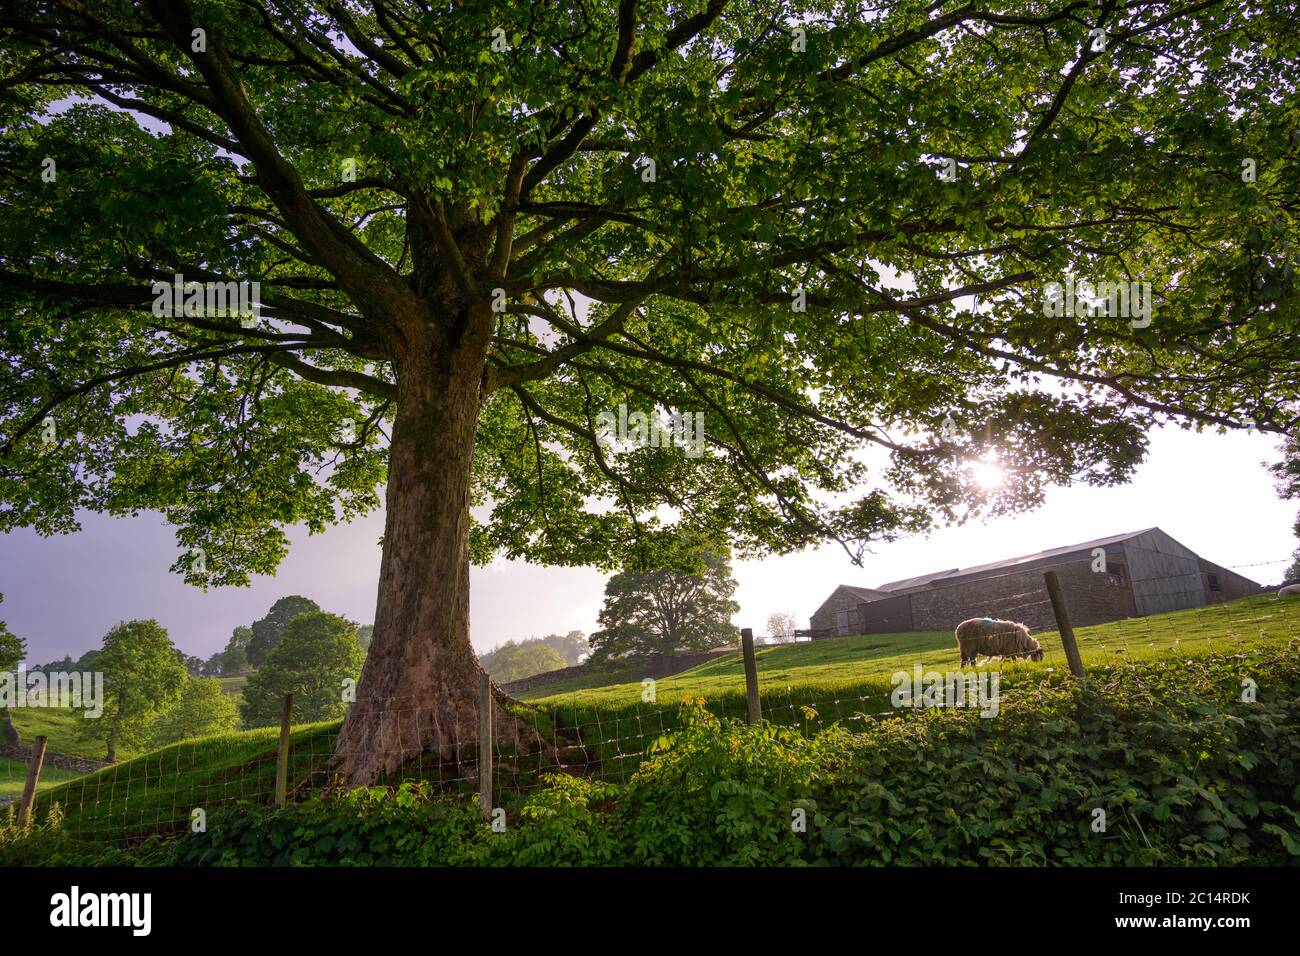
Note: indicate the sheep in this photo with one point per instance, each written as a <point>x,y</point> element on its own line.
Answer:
<point>993,638</point>
<point>1291,590</point>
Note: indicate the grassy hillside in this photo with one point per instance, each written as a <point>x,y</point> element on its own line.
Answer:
<point>158,791</point>
<point>846,661</point>
<point>814,684</point>
<point>805,687</point>
<point>60,725</point>
<point>1185,771</point>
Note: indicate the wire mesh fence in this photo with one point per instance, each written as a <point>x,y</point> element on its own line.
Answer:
<point>605,732</point>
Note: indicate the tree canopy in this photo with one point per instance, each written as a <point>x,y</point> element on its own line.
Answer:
<point>201,710</point>
<point>834,235</point>
<point>664,611</point>
<point>316,656</point>
<point>12,647</point>
<point>515,661</point>
<point>499,147</point>
<point>142,677</point>
<point>266,632</point>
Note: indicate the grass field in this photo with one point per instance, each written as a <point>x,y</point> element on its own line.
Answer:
<point>838,663</point>
<point>13,774</point>
<point>234,685</point>
<point>60,725</point>
<point>804,685</point>
<point>848,679</point>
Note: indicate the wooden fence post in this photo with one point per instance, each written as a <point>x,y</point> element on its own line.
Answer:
<point>753,714</point>
<point>282,758</point>
<point>33,777</point>
<point>1063,623</point>
<point>485,745</point>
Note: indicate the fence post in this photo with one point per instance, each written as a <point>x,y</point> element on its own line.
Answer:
<point>1063,623</point>
<point>33,777</point>
<point>282,758</point>
<point>485,745</point>
<point>753,714</point>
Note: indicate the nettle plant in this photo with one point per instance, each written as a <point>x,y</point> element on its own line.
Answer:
<point>475,227</point>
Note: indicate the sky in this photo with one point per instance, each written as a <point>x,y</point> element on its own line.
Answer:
<point>1209,491</point>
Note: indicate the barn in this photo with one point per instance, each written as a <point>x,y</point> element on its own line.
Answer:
<point>1125,575</point>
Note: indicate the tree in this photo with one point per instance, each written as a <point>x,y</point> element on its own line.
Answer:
<point>203,709</point>
<point>479,229</point>
<point>513,661</point>
<point>317,654</point>
<point>267,632</point>
<point>12,647</point>
<point>365,634</point>
<point>214,665</point>
<point>572,646</point>
<point>781,627</point>
<point>234,660</point>
<point>234,656</point>
<point>142,677</point>
<point>664,611</point>
<point>193,665</point>
<point>65,666</point>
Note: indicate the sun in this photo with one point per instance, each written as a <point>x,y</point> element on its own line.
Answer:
<point>988,475</point>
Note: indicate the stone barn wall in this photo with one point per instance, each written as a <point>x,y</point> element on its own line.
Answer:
<point>1090,597</point>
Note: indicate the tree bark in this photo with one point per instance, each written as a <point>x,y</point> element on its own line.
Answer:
<point>111,754</point>
<point>418,692</point>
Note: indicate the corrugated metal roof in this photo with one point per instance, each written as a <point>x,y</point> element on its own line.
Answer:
<point>921,580</point>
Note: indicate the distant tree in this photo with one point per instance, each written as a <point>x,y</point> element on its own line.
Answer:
<point>212,666</point>
<point>513,661</point>
<point>64,666</point>
<point>234,660</point>
<point>203,709</point>
<point>193,665</point>
<point>1293,573</point>
<point>268,631</point>
<point>662,611</point>
<point>142,677</point>
<point>781,627</point>
<point>572,646</point>
<point>317,653</point>
<point>12,647</point>
<point>365,633</point>
<point>86,662</point>
<point>234,656</point>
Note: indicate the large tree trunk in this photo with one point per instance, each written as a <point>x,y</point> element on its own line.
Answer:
<point>419,689</point>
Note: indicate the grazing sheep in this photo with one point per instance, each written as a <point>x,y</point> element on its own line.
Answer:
<point>993,638</point>
<point>1291,590</point>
